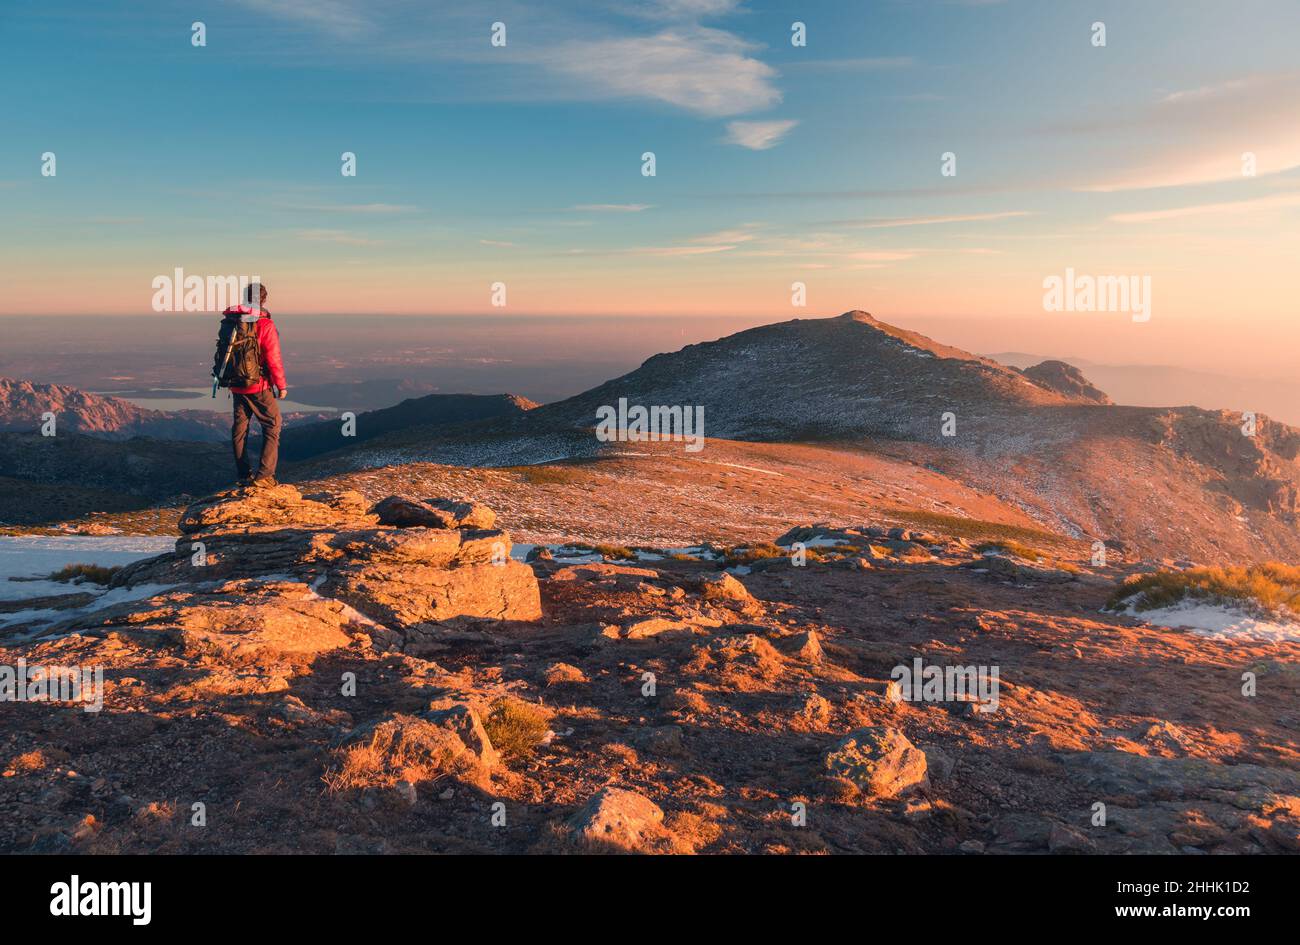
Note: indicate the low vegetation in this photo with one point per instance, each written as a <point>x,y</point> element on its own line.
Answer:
<point>1010,547</point>
<point>93,573</point>
<point>1270,587</point>
<point>972,529</point>
<point>516,727</point>
<point>608,552</point>
<point>544,475</point>
<point>402,748</point>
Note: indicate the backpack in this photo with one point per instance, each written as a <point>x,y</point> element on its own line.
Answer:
<point>242,366</point>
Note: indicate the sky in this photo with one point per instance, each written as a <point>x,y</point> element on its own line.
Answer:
<point>775,163</point>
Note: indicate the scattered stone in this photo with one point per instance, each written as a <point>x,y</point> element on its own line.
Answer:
<point>725,588</point>
<point>805,645</point>
<point>406,791</point>
<point>665,740</point>
<point>880,761</point>
<point>619,818</point>
<point>558,674</point>
<point>653,627</point>
<point>814,708</point>
<point>938,762</point>
<point>1065,839</point>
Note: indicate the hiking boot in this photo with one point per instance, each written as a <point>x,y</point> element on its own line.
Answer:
<point>263,482</point>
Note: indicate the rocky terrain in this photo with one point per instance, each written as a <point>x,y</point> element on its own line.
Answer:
<point>315,671</point>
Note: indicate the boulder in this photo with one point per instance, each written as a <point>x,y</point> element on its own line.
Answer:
<point>406,595</point>
<point>618,818</point>
<point>414,749</point>
<point>407,512</point>
<point>879,760</point>
<point>461,719</point>
<point>725,588</point>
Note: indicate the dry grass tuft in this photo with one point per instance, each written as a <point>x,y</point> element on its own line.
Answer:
<point>1011,547</point>
<point>93,573</point>
<point>516,727</point>
<point>403,748</point>
<point>1269,587</point>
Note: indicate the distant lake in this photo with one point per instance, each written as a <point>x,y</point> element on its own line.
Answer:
<point>198,398</point>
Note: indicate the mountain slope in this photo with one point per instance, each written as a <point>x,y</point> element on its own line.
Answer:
<point>1164,482</point>
<point>811,379</point>
<point>415,417</point>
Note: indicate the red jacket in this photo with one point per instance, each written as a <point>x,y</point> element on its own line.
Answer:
<point>268,340</point>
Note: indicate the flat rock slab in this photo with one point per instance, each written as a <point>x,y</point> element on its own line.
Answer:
<point>231,619</point>
<point>281,505</point>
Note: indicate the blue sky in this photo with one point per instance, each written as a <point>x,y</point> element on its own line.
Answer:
<point>774,163</point>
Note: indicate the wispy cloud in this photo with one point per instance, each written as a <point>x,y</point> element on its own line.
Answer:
<point>890,223</point>
<point>334,236</point>
<point>369,209</point>
<point>612,207</point>
<point>758,135</point>
<point>1224,208</point>
<point>706,71</point>
<point>654,251</point>
<point>651,50</point>
<point>338,17</point>
<point>742,235</point>
<point>1205,133</point>
<point>864,64</point>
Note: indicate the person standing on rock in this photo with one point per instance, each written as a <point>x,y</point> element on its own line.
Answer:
<point>248,362</point>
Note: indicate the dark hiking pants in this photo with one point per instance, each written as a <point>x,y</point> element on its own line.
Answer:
<point>267,411</point>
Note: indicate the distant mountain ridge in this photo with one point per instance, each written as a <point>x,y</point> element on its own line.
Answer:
<point>23,405</point>
<point>412,418</point>
<point>814,379</point>
<point>1167,481</point>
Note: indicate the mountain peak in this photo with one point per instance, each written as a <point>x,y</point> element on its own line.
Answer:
<point>857,315</point>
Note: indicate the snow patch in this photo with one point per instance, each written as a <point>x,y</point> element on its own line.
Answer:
<point>1219,622</point>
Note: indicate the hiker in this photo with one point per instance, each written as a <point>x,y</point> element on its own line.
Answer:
<point>248,363</point>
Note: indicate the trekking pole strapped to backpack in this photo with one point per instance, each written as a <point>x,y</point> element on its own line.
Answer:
<point>241,364</point>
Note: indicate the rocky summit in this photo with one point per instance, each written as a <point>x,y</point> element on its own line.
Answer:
<point>333,557</point>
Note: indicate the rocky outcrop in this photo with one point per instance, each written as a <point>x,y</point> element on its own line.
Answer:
<point>264,564</point>
<point>404,512</point>
<point>1066,379</point>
